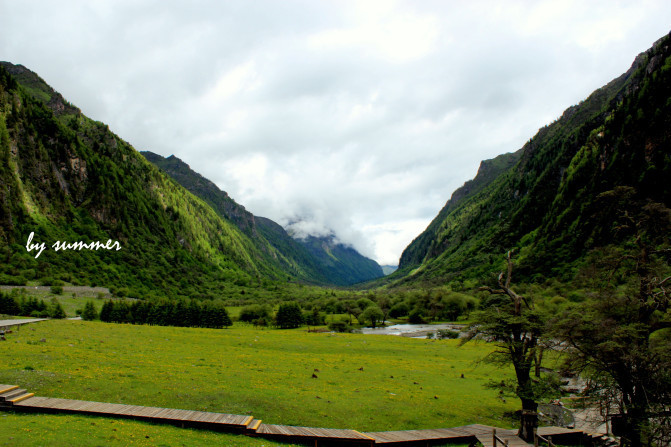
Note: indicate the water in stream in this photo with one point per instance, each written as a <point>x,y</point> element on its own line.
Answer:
<point>412,330</point>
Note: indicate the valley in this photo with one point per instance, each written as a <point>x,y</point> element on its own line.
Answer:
<point>552,262</point>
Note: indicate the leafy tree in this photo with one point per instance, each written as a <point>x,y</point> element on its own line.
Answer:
<point>399,310</point>
<point>289,316</point>
<point>385,306</point>
<point>372,314</point>
<point>313,317</point>
<point>89,312</point>
<point>352,309</point>
<point>621,339</point>
<point>516,328</point>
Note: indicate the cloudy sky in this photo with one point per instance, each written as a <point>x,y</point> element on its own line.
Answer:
<point>356,116</point>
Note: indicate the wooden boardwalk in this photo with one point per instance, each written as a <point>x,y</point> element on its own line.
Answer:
<point>11,396</point>
<point>8,324</point>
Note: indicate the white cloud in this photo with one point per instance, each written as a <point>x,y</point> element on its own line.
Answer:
<point>356,116</point>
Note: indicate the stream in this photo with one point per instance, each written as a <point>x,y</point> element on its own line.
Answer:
<point>412,330</point>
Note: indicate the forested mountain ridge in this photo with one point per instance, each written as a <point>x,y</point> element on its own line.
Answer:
<point>316,260</point>
<point>424,244</point>
<point>68,178</point>
<point>548,205</point>
<point>206,190</point>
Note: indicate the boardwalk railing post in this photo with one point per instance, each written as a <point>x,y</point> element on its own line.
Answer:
<point>535,437</point>
<point>550,443</point>
<point>494,438</point>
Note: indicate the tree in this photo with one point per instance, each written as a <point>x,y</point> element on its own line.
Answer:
<point>56,310</point>
<point>9,305</point>
<point>106,311</point>
<point>372,314</point>
<point>89,312</point>
<point>385,306</point>
<point>352,310</point>
<point>289,316</point>
<point>515,326</point>
<point>621,338</point>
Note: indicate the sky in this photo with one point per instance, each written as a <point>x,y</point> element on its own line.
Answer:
<point>354,117</point>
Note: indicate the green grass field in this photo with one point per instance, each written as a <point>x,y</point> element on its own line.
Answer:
<point>18,429</point>
<point>364,382</point>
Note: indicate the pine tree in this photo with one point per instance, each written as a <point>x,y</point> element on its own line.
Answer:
<point>56,310</point>
<point>89,312</point>
<point>106,311</point>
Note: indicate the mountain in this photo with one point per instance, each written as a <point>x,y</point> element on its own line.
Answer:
<point>558,197</point>
<point>312,259</point>
<point>340,260</point>
<point>425,244</point>
<point>65,177</point>
<point>389,269</point>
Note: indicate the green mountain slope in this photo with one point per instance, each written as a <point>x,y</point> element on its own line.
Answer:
<point>66,177</point>
<point>312,259</point>
<point>341,261</point>
<point>425,244</point>
<point>548,204</point>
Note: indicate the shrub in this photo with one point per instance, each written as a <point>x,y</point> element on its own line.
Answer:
<point>254,312</point>
<point>339,326</point>
<point>446,334</point>
<point>57,290</point>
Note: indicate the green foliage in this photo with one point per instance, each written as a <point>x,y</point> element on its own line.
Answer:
<point>446,334</point>
<point>620,338</point>
<point>373,314</point>
<point>180,313</point>
<point>56,310</point>
<point>339,326</point>
<point>289,315</point>
<point>9,305</point>
<point>89,312</point>
<point>254,313</point>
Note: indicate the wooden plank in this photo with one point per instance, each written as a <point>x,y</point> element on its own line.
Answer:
<point>23,397</point>
<point>5,388</point>
<point>549,431</point>
<point>254,425</point>
<point>9,395</point>
<point>30,402</point>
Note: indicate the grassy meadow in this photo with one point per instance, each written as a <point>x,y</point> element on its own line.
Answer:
<point>21,429</point>
<point>364,382</point>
